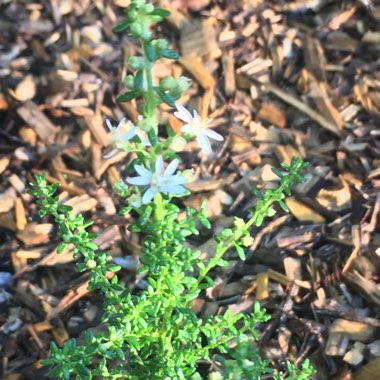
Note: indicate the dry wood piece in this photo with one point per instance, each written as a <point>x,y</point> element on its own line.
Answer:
<point>96,125</point>
<point>272,114</point>
<point>6,202</point>
<point>356,355</point>
<point>82,203</point>
<point>195,67</point>
<point>337,344</point>
<point>303,212</point>
<point>34,117</point>
<point>262,289</point>
<point>25,90</point>
<point>35,233</point>
<point>229,73</point>
<point>21,220</point>
<point>198,38</point>
<point>354,330</point>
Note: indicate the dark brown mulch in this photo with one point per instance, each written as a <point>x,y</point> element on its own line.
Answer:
<point>279,79</point>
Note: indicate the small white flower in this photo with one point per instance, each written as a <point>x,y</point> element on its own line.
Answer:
<point>197,127</point>
<point>159,181</point>
<point>120,135</point>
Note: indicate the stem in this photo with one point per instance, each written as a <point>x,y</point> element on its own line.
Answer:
<point>159,209</point>
<point>149,95</point>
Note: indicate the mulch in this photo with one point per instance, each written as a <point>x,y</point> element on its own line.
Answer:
<point>279,79</point>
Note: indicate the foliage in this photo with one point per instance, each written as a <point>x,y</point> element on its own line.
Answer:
<point>155,334</point>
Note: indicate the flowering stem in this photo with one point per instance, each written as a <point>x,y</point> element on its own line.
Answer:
<point>149,95</point>
<point>159,209</point>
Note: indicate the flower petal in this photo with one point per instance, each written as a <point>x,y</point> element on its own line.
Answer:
<point>204,143</point>
<point>142,171</point>
<point>109,125</point>
<point>187,128</point>
<point>174,189</point>
<point>172,167</point>
<point>177,180</point>
<point>182,113</point>
<point>122,122</point>
<point>159,165</point>
<point>129,134</point>
<point>213,135</point>
<point>110,154</point>
<point>149,194</point>
<point>139,181</point>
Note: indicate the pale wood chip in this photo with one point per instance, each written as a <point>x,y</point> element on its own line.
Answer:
<point>34,117</point>
<point>35,234</point>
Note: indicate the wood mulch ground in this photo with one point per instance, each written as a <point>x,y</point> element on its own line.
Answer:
<point>279,78</point>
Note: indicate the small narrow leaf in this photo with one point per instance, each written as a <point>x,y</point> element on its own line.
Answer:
<point>126,97</point>
<point>240,252</point>
<point>161,12</point>
<point>166,98</point>
<point>121,26</point>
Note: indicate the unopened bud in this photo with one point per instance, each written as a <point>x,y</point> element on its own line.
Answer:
<point>91,264</point>
<point>136,63</point>
<point>178,144</point>
<point>132,15</point>
<point>168,83</point>
<point>149,8</point>
<point>136,29</point>
<point>129,81</point>
<point>247,241</point>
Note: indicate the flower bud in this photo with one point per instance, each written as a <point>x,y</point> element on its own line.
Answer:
<point>135,200</point>
<point>146,34</point>
<point>136,63</point>
<point>91,264</point>
<point>168,83</point>
<point>121,189</point>
<point>178,144</point>
<point>183,84</point>
<point>149,8</point>
<point>239,223</point>
<point>161,44</point>
<point>247,241</point>
<point>133,15</point>
<point>136,29</point>
<point>129,81</point>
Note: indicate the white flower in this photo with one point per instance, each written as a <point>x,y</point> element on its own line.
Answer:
<point>159,181</point>
<point>120,135</point>
<point>197,127</point>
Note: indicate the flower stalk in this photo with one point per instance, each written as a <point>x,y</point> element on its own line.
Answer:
<point>155,334</point>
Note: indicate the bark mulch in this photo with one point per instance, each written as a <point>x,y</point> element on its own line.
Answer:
<point>279,78</point>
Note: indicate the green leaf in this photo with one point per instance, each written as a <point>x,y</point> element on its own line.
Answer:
<point>138,80</point>
<point>169,53</point>
<point>283,206</point>
<point>113,267</point>
<point>160,12</point>
<point>149,51</point>
<point>61,247</point>
<point>277,172</point>
<point>166,98</point>
<point>126,97</point>
<point>240,252</point>
<point>121,26</point>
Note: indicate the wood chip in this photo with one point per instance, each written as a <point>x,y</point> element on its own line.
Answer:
<point>34,117</point>
<point>357,331</point>
<point>198,71</point>
<point>25,90</point>
<point>6,202</point>
<point>35,234</point>
<point>302,212</point>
